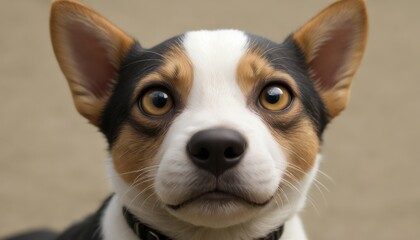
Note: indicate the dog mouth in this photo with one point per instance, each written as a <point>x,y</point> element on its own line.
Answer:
<point>218,197</point>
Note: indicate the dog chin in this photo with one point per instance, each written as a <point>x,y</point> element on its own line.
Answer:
<point>215,213</point>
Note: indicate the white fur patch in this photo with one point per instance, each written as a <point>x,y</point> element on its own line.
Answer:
<point>113,225</point>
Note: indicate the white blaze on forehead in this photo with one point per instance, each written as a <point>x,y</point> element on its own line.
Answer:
<point>215,56</point>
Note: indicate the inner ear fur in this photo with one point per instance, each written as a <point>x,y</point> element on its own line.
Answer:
<point>89,50</point>
<point>333,43</point>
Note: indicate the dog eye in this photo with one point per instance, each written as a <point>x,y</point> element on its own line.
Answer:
<point>156,102</point>
<point>275,98</point>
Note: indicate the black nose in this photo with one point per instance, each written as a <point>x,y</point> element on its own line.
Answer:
<point>216,150</point>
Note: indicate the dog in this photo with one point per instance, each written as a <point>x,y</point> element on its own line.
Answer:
<point>212,134</point>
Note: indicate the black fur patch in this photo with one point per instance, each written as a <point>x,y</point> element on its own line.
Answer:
<point>288,57</point>
<point>137,64</point>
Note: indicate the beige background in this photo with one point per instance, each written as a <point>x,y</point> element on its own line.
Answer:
<point>52,162</point>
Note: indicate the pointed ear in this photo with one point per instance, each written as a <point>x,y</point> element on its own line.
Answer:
<point>333,43</point>
<point>89,50</point>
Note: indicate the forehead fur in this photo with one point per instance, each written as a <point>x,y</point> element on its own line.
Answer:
<point>215,56</point>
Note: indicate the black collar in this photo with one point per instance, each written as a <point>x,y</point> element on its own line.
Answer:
<point>146,233</point>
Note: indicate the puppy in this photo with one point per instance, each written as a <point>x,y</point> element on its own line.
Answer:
<point>212,134</point>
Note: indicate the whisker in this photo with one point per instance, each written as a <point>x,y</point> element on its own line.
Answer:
<point>326,176</point>
<point>145,200</point>
<point>134,171</point>
<point>309,198</point>
<point>296,154</point>
<point>141,178</point>
<point>160,55</point>
<point>140,193</point>
<point>284,194</point>
<point>316,181</point>
<point>133,186</point>
<point>277,203</point>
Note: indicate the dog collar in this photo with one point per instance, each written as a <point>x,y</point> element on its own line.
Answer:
<point>146,233</point>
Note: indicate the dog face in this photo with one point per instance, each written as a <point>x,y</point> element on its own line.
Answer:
<point>214,128</point>
<point>230,93</point>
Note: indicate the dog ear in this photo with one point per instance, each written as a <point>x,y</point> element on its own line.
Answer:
<point>89,50</point>
<point>333,43</point>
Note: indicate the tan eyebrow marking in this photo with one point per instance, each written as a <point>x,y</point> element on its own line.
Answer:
<point>254,68</point>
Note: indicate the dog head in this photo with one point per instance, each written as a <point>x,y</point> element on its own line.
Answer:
<point>211,128</point>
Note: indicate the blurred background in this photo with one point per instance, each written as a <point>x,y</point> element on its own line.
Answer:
<point>52,169</point>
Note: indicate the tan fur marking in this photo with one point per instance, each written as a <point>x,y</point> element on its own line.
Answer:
<point>300,147</point>
<point>133,152</point>
<point>253,70</point>
<point>177,71</point>
<point>67,13</point>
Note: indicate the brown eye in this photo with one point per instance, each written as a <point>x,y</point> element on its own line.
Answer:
<point>275,98</point>
<point>156,102</point>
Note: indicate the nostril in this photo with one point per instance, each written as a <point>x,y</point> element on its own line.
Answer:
<point>230,153</point>
<point>203,154</point>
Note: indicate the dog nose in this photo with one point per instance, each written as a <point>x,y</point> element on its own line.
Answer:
<point>216,150</point>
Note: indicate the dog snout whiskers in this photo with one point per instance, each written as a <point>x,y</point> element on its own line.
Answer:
<point>216,150</point>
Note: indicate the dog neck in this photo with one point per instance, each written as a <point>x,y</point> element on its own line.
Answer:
<point>114,225</point>
<point>145,232</point>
